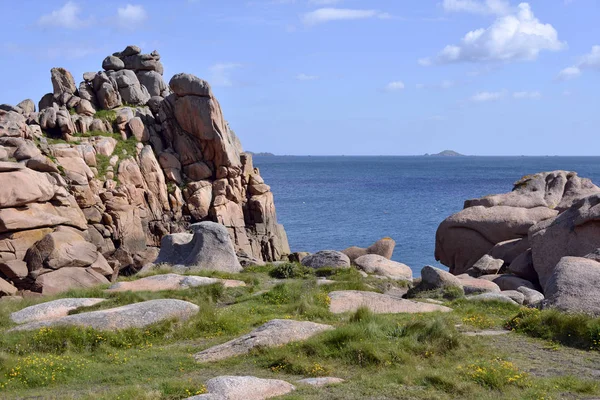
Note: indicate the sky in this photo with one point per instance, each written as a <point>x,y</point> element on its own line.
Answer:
<point>344,77</point>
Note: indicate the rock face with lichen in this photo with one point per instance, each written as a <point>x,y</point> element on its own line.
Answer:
<point>96,176</point>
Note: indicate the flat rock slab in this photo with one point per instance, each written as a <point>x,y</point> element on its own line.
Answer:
<point>136,315</point>
<point>244,388</point>
<point>492,297</point>
<point>170,282</point>
<point>351,300</point>
<point>51,309</point>
<point>323,381</point>
<point>274,333</point>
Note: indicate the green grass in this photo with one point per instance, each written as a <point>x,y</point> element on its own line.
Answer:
<point>107,115</point>
<point>412,356</point>
<point>574,330</point>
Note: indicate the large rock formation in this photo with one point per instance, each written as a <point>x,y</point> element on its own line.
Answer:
<point>463,238</point>
<point>545,233</point>
<point>93,180</point>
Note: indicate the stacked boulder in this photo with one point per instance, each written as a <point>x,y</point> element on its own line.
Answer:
<point>93,180</point>
<point>544,236</point>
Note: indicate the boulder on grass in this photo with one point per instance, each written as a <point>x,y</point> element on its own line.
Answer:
<point>327,258</point>
<point>383,247</point>
<point>351,300</point>
<point>138,315</point>
<point>65,279</point>
<point>208,248</point>
<point>51,309</point>
<point>379,265</point>
<point>244,387</point>
<point>170,282</point>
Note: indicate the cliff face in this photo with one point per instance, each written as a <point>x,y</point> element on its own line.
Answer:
<point>120,161</point>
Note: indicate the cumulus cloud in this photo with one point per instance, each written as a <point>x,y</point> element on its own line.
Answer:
<point>527,95</point>
<point>497,7</point>
<point>221,73</point>
<point>518,36</point>
<point>395,86</point>
<point>68,16</point>
<point>569,73</point>
<point>590,61</point>
<point>305,77</point>
<point>323,15</point>
<point>487,96</point>
<point>131,16</point>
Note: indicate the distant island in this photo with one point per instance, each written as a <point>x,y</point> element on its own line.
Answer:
<point>263,154</point>
<point>446,153</point>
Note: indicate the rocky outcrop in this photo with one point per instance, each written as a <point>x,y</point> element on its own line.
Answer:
<point>378,265</point>
<point>51,309</point>
<point>535,238</point>
<point>125,159</point>
<point>465,237</point>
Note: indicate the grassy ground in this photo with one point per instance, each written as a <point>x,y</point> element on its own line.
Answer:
<point>423,356</point>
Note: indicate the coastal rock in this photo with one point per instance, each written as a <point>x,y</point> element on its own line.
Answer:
<point>62,248</point>
<point>62,81</point>
<point>463,238</point>
<point>138,315</point>
<point>508,250</point>
<point>12,124</point>
<point>516,296</point>
<point>511,282</point>
<point>522,266</point>
<point>378,265</point>
<point>531,296</point>
<point>65,279</point>
<point>326,258</point>
<point>208,248</point>
<point>574,286</point>
<point>244,387</point>
<point>51,309</point>
<point>352,300</point>
<point>7,289</point>
<point>435,278</point>
<point>383,247</point>
<point>274,333</point>
<point>474,285</point>
<point>170,282</point>
<point>486,265</point>
<point>575,232</point>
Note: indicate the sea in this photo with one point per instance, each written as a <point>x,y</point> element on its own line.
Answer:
<point>334,202</point>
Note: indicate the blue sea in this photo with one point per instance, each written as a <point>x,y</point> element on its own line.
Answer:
<point>340,201</point>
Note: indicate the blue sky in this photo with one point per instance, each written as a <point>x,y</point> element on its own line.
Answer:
<point>353,77</point>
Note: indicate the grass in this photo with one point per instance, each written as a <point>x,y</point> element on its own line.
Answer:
<point>107,115</point>
<point>418,356</point>
<point>574,330</point>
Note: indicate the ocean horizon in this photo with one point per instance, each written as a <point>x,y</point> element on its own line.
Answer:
<point>334,202</point>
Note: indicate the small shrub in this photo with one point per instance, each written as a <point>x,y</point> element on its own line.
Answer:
<point>496,374</point>
<point>290,270</point>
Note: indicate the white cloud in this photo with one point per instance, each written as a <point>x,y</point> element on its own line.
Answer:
<point>131,16</point>
<point>323,15</point>
<point>221,74</point>
<point>394,86</point>
<point>65,17</point>
<point>497,7</point>
<point>527,95</point>
<point>569,73</point>
<point>487,96</point>
<point>590,61</point>
<point>305,77</point>
<point>514,37</point>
